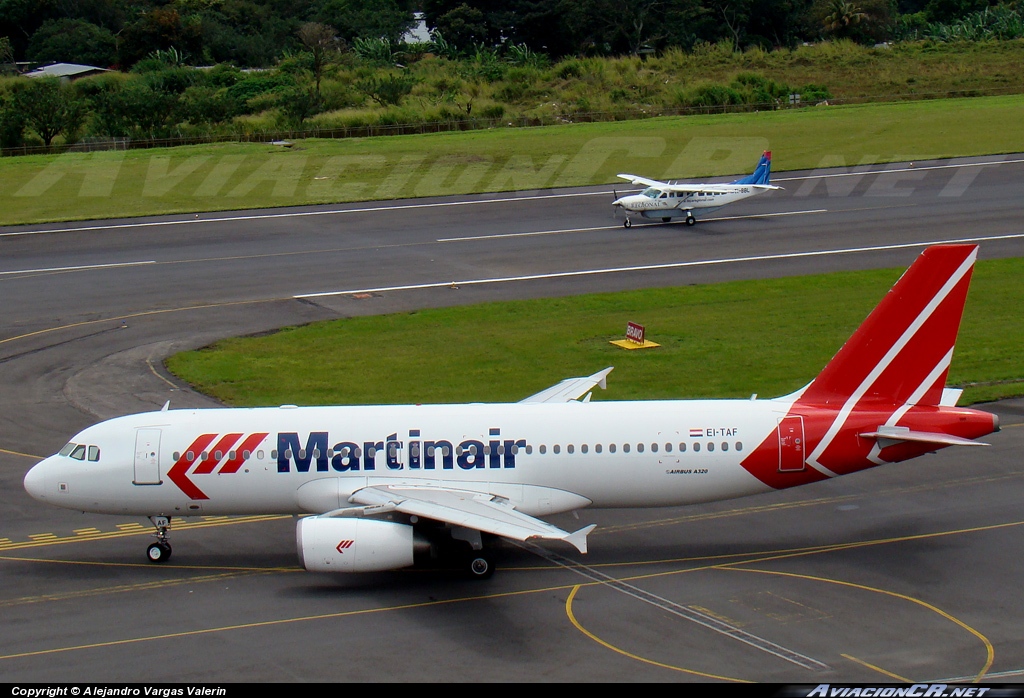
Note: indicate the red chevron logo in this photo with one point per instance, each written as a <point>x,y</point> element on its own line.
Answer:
<point>343,546</point>
<point>209,458</point>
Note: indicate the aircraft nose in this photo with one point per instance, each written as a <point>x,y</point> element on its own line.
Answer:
<point>35,481</point>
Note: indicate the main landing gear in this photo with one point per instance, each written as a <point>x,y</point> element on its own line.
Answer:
<point>481,565</point>
<point>161,550</point>
<point>690,220</point>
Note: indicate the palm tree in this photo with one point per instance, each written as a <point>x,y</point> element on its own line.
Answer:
<point>842,17</point>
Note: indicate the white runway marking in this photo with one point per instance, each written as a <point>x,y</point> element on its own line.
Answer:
<point>902,169</point>
<point>297,214</point>
<point>615,227</point>
<point>667,265</point>
<point>82,267</point>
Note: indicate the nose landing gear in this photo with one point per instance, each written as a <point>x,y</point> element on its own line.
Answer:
<point>161,550</point>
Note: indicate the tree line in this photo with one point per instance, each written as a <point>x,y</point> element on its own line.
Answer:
<point>247,33</point>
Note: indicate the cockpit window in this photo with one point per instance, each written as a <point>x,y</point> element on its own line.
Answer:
<point>66,451</point>
<point>78,453</point>
<point>651,192</point>
<point>94,453</point>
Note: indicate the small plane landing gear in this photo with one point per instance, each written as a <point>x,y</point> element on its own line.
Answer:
<point>161,550</point>
<point>627,223</point>
<point>690,220</point>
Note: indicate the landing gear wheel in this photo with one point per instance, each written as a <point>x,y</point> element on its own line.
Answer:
<point>690,220</point>
<point>627,224</point>
<point>158,552</point>
<point>481,566</point>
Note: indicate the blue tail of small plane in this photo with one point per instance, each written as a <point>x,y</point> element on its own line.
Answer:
<point>763,172</point>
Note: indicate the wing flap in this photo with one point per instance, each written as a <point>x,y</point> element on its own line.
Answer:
<point>483,512</point>
<point>571,388</point>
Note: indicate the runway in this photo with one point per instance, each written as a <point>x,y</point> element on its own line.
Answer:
<point>906,572</point>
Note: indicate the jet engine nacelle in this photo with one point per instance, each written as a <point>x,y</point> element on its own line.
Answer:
<point>353,544</point>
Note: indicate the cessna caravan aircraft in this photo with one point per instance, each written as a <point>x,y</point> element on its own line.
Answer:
<point>388,487</point>
<point>668,200</point>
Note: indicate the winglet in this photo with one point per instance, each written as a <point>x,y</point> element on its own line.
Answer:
<point>572,388</point>
<point>579,539</point>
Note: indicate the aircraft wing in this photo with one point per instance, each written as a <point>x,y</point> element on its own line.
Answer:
<point>484,512</point>
<point>634,179</point>
<point>571,388</point>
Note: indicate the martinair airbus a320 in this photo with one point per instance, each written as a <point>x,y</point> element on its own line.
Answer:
<point>668,200</point>
<point>388,487</point>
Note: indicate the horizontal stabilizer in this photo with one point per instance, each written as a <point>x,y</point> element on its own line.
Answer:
<point>898,434</point>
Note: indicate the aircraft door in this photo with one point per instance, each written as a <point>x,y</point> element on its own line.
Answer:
<point>147,457</point>
<point>791,444</point>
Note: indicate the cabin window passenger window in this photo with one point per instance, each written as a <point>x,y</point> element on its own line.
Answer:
<point>570,449</point>
<point>273,454</point>
<point>302,453</point>
<point>556,449</point>
<point>725,445</point>
<point>654,448</point>
<point>205,455</point>
<point>625,448</point>
<point>259,455</point>
<point>639,448</point>
<point>668,448</point>
<point>583,448</point>
<point>711,446</point>
<point>611,448</point>
<point>682,447</point>
<point>597,448</point>
<point>696,448</point>
<point>94,453</point>
<point>175,456</point>
<point>217,455</point>
<point>739,445</point>
<point>246,455</point>
<point>529,449</point>
<point>543,449</point>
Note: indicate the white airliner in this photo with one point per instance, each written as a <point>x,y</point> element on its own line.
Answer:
<point>391,486</point>
<point>668,200</point>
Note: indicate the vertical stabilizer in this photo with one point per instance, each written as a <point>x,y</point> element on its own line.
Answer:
<point>901,353</point>
<point>762,173</point>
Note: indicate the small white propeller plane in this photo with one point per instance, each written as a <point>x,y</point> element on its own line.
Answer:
<point>668,200</point>
<point>392,486</point>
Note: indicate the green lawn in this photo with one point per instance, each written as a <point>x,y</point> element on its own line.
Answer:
<point>722,340</point>
<point>237,175</point>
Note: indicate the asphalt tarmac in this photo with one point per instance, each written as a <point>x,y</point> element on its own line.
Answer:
<point>907,572</point>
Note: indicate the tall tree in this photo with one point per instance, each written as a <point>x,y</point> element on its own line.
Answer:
<point>50,108</point>
<point>321,41</point>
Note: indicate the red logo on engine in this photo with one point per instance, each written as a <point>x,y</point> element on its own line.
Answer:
<point>343,546</point>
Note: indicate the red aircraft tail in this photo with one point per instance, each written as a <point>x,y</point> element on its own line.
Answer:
<point>901,352</point>
<point>880,398</point>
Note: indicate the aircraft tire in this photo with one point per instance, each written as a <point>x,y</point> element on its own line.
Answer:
<point>627,224</point>
<point>158,553</point>
<point>690,220</point>
<point>481,566</point>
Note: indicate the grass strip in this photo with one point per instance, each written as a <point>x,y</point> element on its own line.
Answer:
<point>721,340</point>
